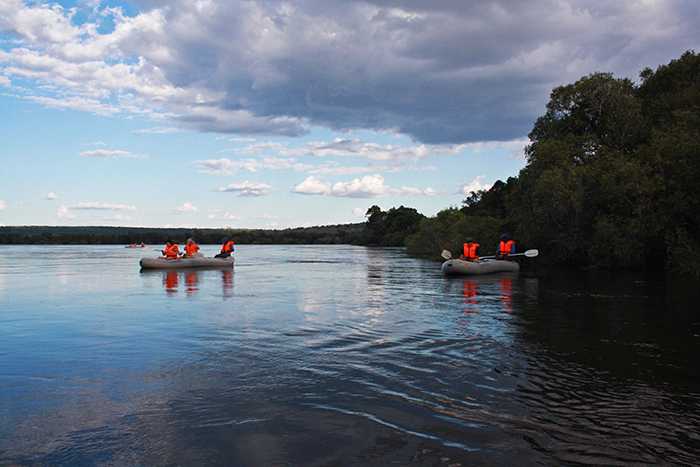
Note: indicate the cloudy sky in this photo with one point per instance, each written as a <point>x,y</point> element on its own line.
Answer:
<point>273,113</point>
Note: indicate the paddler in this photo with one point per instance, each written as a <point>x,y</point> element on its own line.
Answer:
<point>171,250</point>
<point>227,249</point>
<point>191,248</point>
<point>506,247</point>
<point>470,250</point>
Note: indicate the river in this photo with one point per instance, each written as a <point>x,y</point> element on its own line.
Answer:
<point>338,355</point>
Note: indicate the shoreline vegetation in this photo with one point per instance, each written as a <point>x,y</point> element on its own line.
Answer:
<point>611,181</point>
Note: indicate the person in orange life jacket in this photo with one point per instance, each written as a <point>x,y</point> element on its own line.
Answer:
<point>191,248</point>
<point>471,250</point>
<point>171,250</point>
<point>226,249</point>
<point>506,247</point>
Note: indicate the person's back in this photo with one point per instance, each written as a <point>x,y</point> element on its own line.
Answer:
<point>506,247</point>
<point>171,250</point>
<point>191,248</point>
<point>226,249</point>
<point>471,250</point>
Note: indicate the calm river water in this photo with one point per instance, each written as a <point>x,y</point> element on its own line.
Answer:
<point>337,355</point>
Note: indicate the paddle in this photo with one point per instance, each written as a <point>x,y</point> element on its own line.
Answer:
<point>527,254</point>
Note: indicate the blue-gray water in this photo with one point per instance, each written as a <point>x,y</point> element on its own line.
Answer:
<point>337,355</point>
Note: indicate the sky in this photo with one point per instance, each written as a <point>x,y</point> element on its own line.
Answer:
<point>277,114</point>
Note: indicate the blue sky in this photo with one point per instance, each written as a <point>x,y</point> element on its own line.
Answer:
<point>277,114</point>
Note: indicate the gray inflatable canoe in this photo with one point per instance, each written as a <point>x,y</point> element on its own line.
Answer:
<point>458,267</point>
<point>183,263</point>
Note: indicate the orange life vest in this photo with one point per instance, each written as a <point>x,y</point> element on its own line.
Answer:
<point>171,251</point>
<point>191,249</point>
<point>506,247</point>
<point>471,251</point>
<point>228,247</point>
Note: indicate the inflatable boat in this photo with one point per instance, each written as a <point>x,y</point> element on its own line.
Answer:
<point>184,263</point>
<point>458,267</point>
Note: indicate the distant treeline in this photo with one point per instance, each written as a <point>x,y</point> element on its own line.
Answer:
<point>612,178</point>
<point>329,234</point>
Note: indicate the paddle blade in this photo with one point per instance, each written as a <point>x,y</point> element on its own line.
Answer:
<point>446,254</point>
<point>531,253</point>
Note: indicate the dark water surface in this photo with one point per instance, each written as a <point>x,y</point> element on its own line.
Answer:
<point>318,355</point>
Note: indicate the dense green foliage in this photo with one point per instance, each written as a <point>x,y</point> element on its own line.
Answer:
<point>611,178</point>
<point>390,228</point>
<point>449,229</point>
<point>331,234</point>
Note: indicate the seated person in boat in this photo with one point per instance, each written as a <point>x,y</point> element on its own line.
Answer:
<point>171,250</point>
<point>226,249</point>
<point>506,247</point>
<point>470,250</point>
<point>191,248</point>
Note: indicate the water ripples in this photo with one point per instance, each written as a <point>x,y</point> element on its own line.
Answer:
<point>387,363</point>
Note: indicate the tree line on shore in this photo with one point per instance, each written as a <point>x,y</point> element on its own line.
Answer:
<point>611,180</point>
<point>329,234</point>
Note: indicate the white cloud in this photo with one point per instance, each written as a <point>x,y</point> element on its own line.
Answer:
<point>514,148</point>
<point>63,212</point>
<point>159,130</point>
<point>51,196</point>
<point>235,139</point>
<point>84,104</point>
<point>476,184</point>
<point>108,153</point>
<point>368,186</point>
<point>342,147</point>
<point>312,186</point>
<point>413,191</point>
<point>227,166</point>
<point>359,212</point>
<point>5,81</point>
<point>226,216</point>
<point>247,188</point>
<point>186,207</point>
<point>3,205</point>
<point>98,206</point>
<point>365,187</point>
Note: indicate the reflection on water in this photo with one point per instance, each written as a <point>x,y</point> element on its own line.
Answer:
<point>470,290</point>
<point>338,355</point>
<point>506,284</point>
<point>190,278</point>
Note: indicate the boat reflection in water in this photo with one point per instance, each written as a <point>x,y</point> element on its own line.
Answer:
<point>191,282</point>
<point>502,288</point>
<point>506,284</point>
<point>193,279</point>
<point>171,282</point>
<point>470,290</point>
